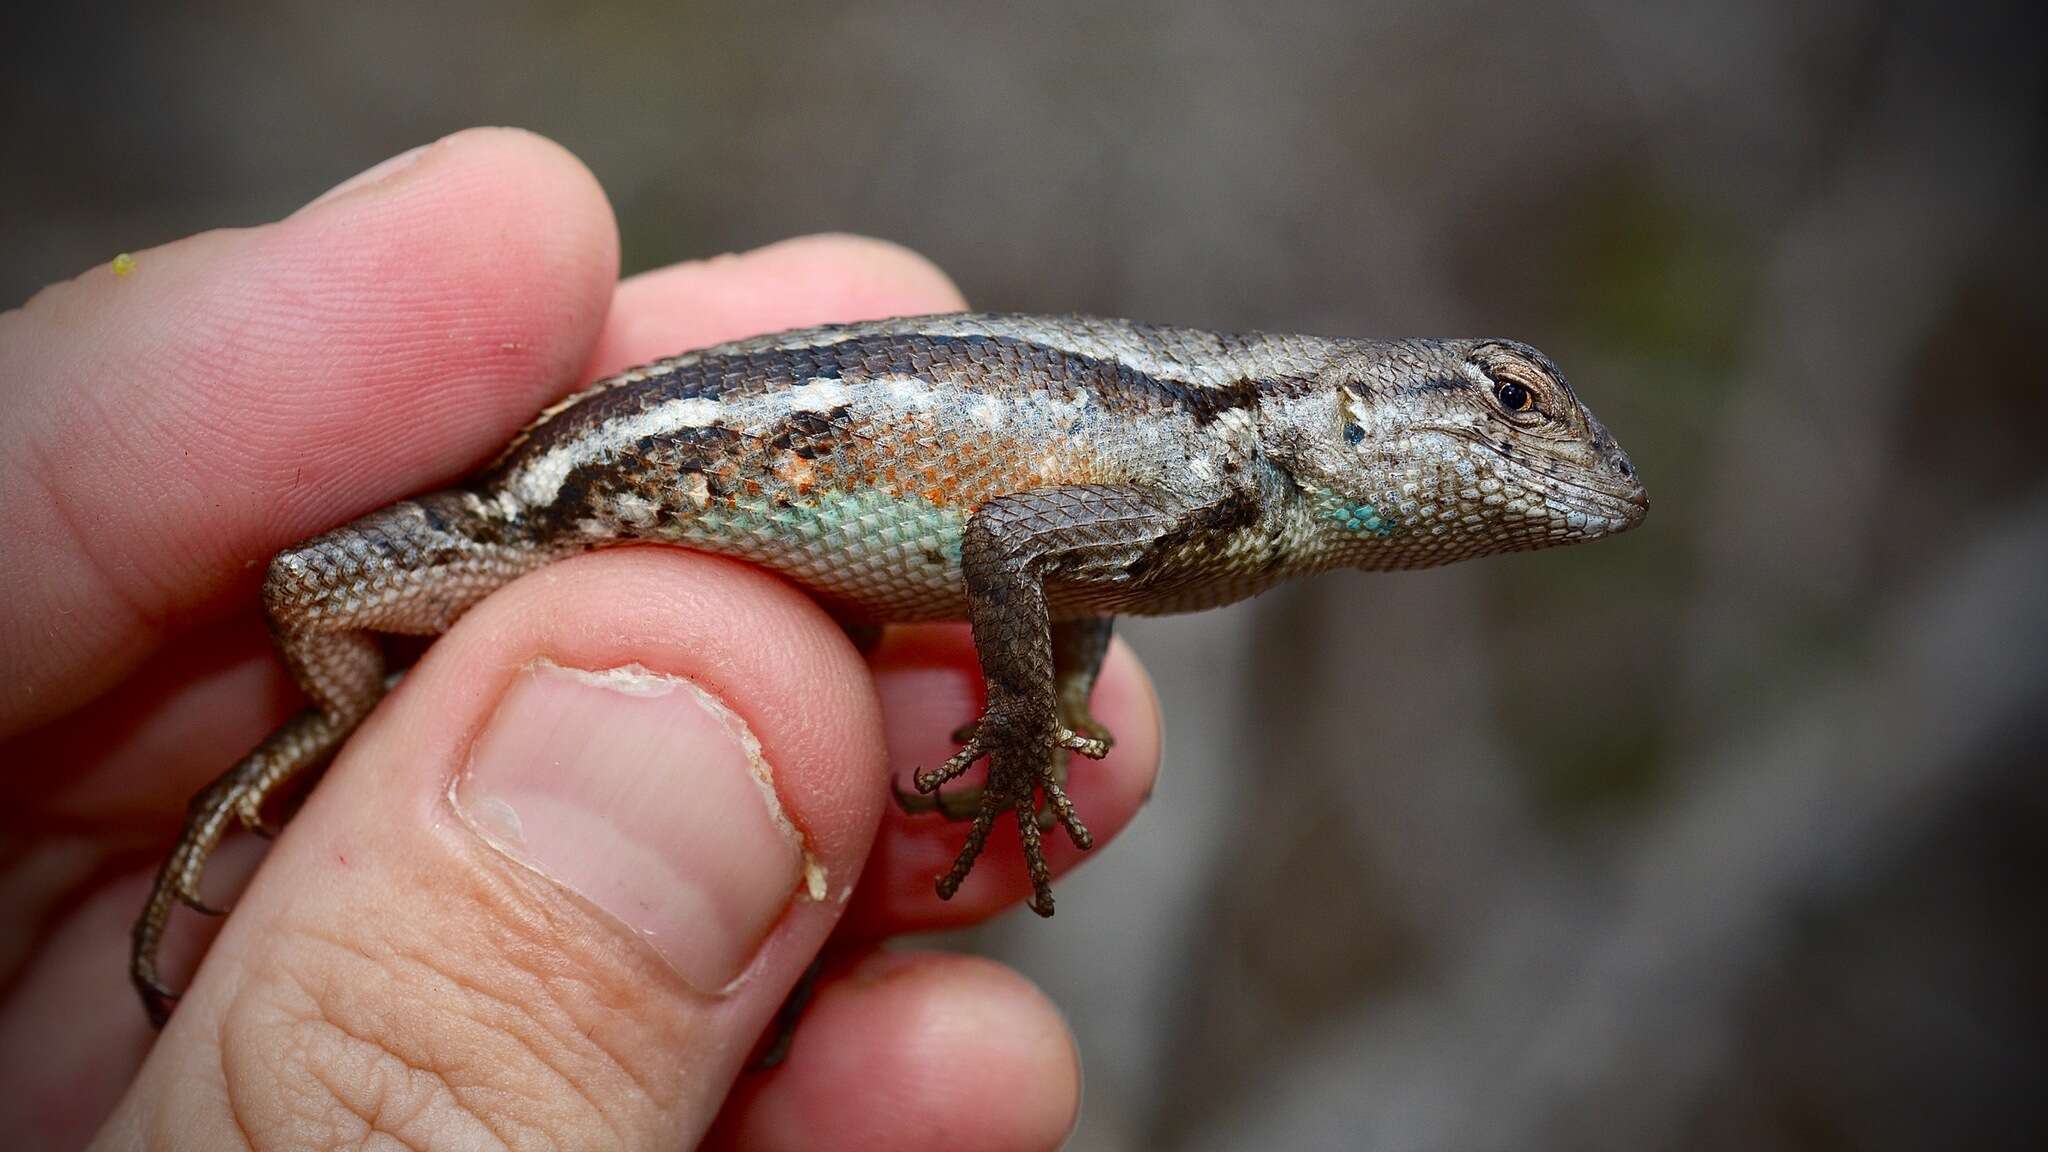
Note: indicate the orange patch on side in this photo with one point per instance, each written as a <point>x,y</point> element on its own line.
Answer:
<point>796,472</point>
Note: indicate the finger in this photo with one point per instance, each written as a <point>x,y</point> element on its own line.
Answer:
<point>134,753</point>
<point>534,898</point>
<point>172,428</point>
<point>123,764</point>
<point>793,284</point>
<point>69,1053</point>
<point>930,684</point>
<point>915,1050</point>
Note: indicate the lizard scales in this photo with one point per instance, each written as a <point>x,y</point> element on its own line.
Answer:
<point>1033,475</point>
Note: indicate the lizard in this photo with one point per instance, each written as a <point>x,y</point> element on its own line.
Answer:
<point>1034,476</point>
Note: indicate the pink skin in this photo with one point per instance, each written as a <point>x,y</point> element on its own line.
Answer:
<point>243,390</point>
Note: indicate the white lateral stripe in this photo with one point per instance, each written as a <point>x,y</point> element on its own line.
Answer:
<point>540,482</point>
<point>818,395</point>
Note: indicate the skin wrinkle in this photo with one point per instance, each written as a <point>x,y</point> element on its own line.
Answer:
<point>382,1115</point>
<point>393,950</point>
<point>563,1034</point>
<point>541,923</point>
<point>367,1118</point>
<point>143,632</point>
<point>397,960</point>
<point>227,1085</point>
<point>202,367</point>
<point>356,298</point>
<point>394,964</point>
<point>59,500</point>
<point>316,1067</point>
<point>226,337</point>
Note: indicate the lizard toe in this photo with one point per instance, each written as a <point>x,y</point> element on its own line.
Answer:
<point>1092,747</point>
<point>1034,860</point>
<point>958,763</point>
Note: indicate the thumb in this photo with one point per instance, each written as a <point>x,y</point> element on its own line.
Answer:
<point>556,886</point>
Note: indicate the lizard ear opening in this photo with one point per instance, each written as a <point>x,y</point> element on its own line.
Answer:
<point>1353,417</point>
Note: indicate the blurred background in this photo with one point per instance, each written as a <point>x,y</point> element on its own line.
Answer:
<point>1726,833</point>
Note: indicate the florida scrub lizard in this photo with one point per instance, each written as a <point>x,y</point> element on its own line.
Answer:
<point>1035,476</point>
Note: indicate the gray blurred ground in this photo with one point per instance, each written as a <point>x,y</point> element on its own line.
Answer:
<point>1723,834</point>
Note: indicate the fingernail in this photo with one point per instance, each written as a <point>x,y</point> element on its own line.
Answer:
<point>648,797</point>
<point>376,174</point>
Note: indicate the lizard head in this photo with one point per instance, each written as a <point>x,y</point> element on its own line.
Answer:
<point>1438,450</point>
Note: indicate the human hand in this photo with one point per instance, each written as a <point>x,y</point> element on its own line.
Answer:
<point>389,970</point>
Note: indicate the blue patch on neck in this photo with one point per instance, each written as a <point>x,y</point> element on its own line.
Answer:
<point>1361,519</point>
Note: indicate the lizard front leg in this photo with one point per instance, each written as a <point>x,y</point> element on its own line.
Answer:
<point>1071,539</point>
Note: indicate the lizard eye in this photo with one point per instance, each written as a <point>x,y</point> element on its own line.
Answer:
<point>1512,396</point>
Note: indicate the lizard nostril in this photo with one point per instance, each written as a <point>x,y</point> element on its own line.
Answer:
<point>1620,464</point>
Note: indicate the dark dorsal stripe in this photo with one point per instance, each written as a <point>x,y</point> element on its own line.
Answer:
<point>977,363</point>
<point>982,361</point>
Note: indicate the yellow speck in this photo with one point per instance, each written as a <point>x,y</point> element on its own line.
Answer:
<point>124,265</point>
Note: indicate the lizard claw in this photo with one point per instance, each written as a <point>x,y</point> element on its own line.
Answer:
<point>1034,861</point>
<point>200,906</point>
<point>183,880</point>
<point>958,763</point>
<point>912,802</point>
<point>157,1000</point>
<point>959,804</point>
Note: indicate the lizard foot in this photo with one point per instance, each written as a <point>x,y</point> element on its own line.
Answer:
<point>963,804</point>
<point>177,882</point>
<point>235,798</point>
<point>1022,766</point>
<point>1075,717</point>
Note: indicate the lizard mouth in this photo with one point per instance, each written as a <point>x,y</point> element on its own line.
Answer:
<point>1605,500</point>
<point>1601,511</point>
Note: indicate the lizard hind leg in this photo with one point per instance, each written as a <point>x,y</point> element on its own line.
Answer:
<point>411,568</point>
